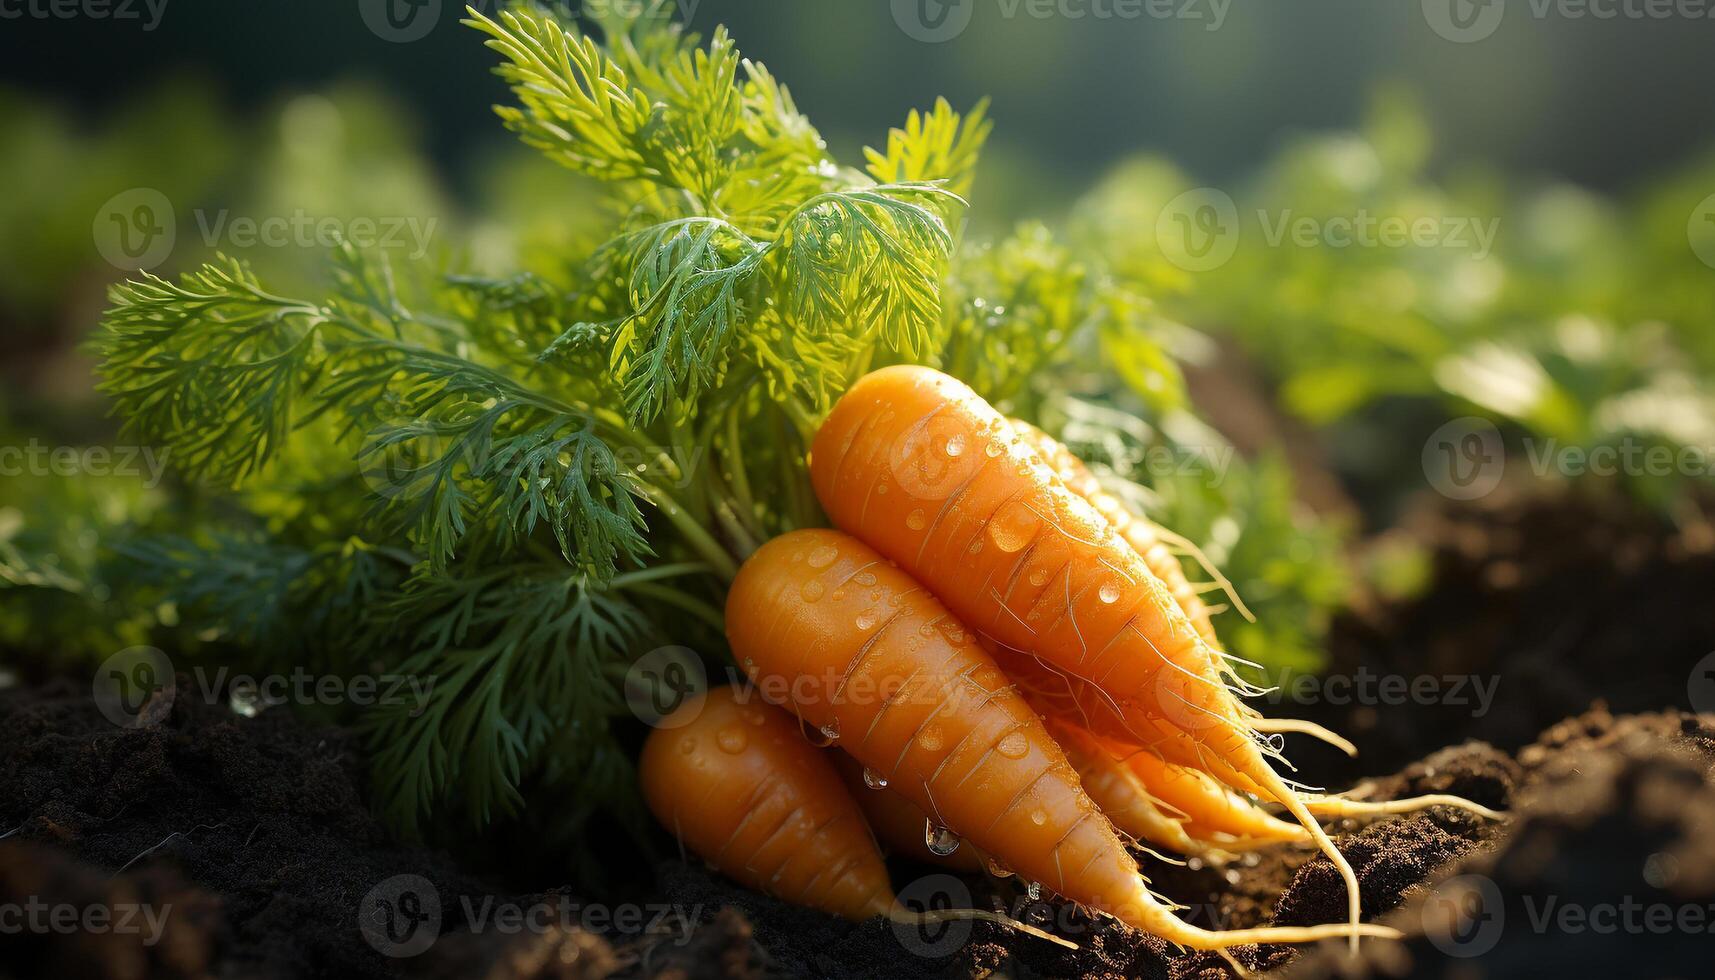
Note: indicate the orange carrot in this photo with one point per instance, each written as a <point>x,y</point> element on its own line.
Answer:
<point>901,826</point>
<point>920,467</point>
<point>854,646</point>
<point>1151,541</point>
<point>738,784</point>
<point>1144,536</point>
<point>1122,797</point>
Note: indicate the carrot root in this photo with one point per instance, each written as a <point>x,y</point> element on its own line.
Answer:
<point>1270,726</point>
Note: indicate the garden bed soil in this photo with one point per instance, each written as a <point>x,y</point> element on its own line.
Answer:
<point>256,834</point>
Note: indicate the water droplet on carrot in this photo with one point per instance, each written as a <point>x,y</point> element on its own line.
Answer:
<point>915,520</point>
<point>1108,593</point>
<point>687,745</point>
<point>956,446</point>
<point>864,578</point>
<point>865,621</point>
<point>1013,527</point>
<point>839,594</point>
<point>1014,746</point>
<point>939,840</point>
<point>993,449</point>
<point>1038,817</point>
<point>831,731</point>
<point>823,556</point>
<point>1039,576</point>
<point>812,590</point>
<point>873,779</point>
<point>976,546</point>
<point>732,740</point>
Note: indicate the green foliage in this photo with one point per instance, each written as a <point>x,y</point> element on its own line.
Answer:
<point>502,485</point>
<point>1584,321</point>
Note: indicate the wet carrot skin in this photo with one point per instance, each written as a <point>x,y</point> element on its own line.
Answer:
<point>741,787</point>
<point>918,466</point>
<point>898,823</point>
<point>827,627</point>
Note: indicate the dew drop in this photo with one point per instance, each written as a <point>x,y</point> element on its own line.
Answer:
<point>976,546</point>
<point>915,520</point>
<point>956,446</point>
<point>822,556</point>
<point>865,621</point>
<point>687,746</point>
<point>1038,817</point>
<point>1108,593</point>
<point>1014,526</point>
<point>838,595</point>
<point>994,448</point>
<point>881,489</point>
<point>864,578</point>
<point>831,731</point>
<point>873,779</point>
<point>1014,746</point>
<point>1039,576</point>
<point>939,840</point>
<point>812,590</point>
<point>732,740</point>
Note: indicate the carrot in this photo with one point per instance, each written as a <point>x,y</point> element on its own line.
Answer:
<point>1151,541</point>
<point>824,625</point>
<point>1121,795</point>
<point>901,826</point>
<point>739,785</point>
<point>919,466</point>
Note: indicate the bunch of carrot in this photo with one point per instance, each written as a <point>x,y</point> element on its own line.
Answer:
<point>1013,660</point>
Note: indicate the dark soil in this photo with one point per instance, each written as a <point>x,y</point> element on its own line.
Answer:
<point>254,835</point>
